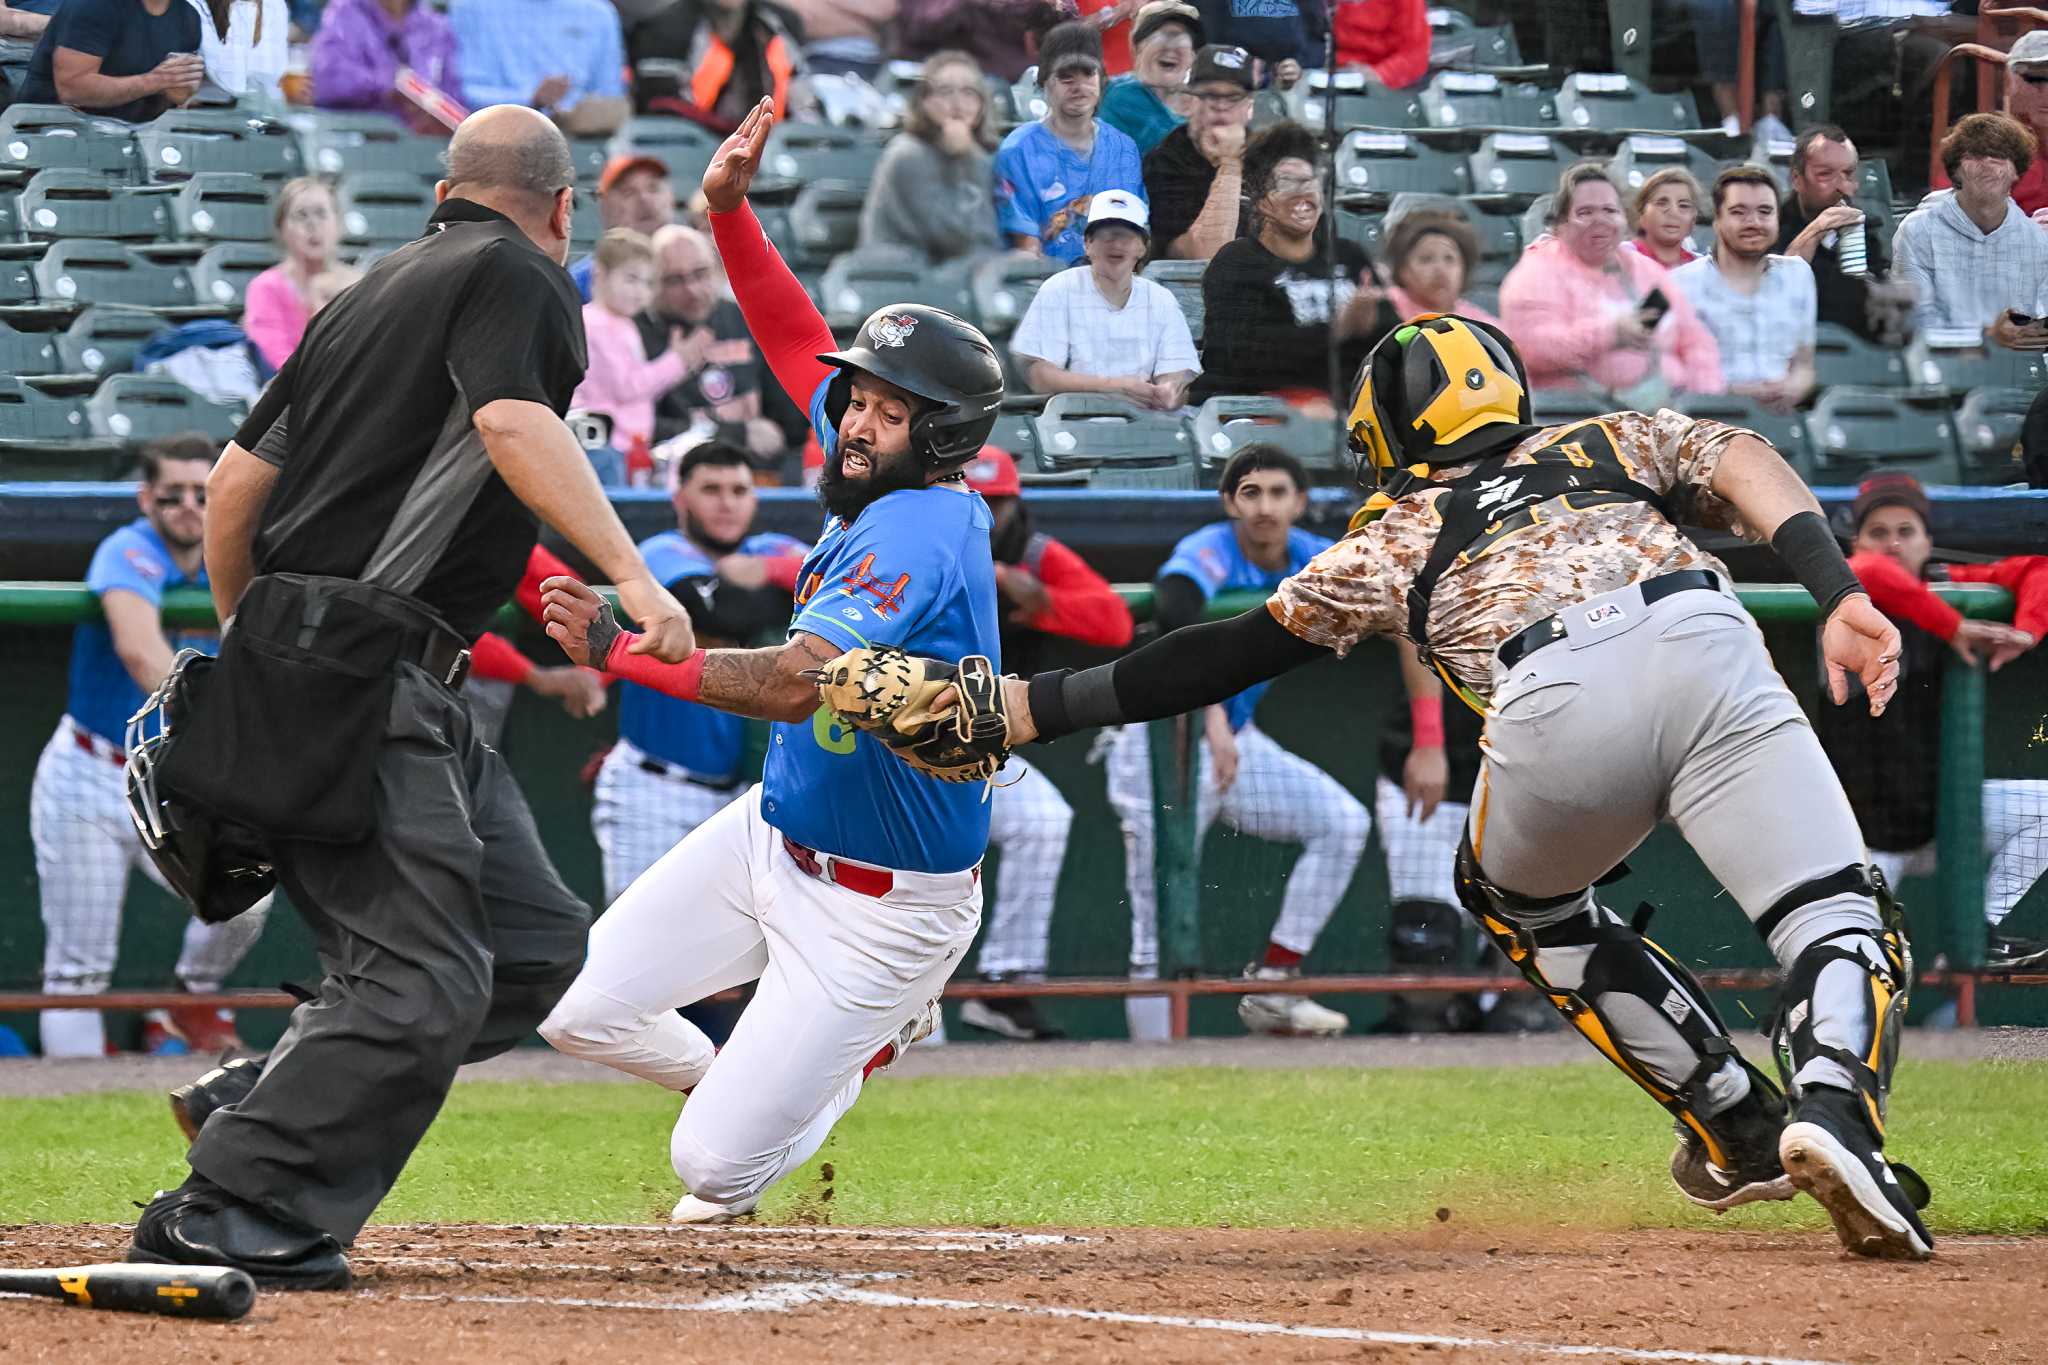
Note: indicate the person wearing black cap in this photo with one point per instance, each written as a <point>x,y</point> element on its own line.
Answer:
<point>1195,176</point>
<point>1047,171</point>
<point>1147,101</point>
<point>1890,764</point>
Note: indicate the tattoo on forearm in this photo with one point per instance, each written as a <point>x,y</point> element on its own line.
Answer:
<point>765,683</point>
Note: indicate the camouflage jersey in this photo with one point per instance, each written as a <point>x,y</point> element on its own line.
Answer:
<point>1358,587</point>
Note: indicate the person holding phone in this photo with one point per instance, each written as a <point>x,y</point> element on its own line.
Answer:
<point>125,59</point>
<point>1974,259</point>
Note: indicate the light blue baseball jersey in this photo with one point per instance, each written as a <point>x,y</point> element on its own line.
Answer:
<point>132,559</point>
<point>706,743</point>
<point>1043,187</point>
<point>1212,558</point>
<point>912,570</point>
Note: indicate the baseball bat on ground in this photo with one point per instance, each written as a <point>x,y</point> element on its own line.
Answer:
<point>178,1291</point>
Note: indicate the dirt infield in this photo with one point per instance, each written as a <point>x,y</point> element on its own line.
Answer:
<point>590,1295</point>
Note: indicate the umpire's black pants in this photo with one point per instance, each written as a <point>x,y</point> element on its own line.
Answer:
<point>444,938</point>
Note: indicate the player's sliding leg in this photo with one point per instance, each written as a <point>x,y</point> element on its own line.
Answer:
<point>1282,796</point>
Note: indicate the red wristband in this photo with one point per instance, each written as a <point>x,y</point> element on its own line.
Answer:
<point>677,680</point>
<point>1427,716</point>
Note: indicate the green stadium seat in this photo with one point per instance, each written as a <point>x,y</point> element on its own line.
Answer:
<point>104,340</point>
<point>1611,103</point>
<point>44,436</point>
<point>1855,431</point>
<point>1121,444</point>
<point>1372,167</point>
<point>824,221</point>
<point>1988,430</point>
<point>1361,102</point>
<point>1269,107</point>
<point>1183,280</point>
<point>1002,106</point>
<point>590,156</point>
<point>42,137</point>
<point>1642,155</point>
<point>1785,431</point>
<point>185,142</point>
<point>216,207</point>
<point>1227,422</point>
<point>1630,33</point>
<point>1003,285</point>
<point>1934,367</point>
<point>686,148</point>
<point>27,353</point>
<point>84,204</point>
<point>133,408</point>
<point>1016,430</point>
<point>221,276</point>
<point>385,208</point>
<point>585,227</point>
<point>1368,230</point>
<point>1480,101</point>
<point>1026,99</point>
<point>1841,357</point>
<point>1809,61</point>
<point>1511,169</point>
<point>1556,407</point>
<point>80,272</point>
<point>335,143</point>
<point>1457,40</point>
<point>799,153</point>
<point>856,285</point>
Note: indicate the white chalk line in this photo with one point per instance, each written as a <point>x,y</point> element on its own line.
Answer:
<point>738,1272</point>
<point>782,1298</point>
<point>750,1237</point>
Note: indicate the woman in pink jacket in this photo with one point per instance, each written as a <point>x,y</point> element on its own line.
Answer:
<point>1585,313</point>
<point>279,302</point>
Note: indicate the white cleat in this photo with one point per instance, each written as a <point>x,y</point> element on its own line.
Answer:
<point>691,1209</point>
<point>1292,1015</point>
<point>915,1030</point>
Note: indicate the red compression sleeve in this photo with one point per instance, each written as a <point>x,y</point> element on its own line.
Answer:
<point>1427,715</point>
<point>1084,606</point>
<point>677,680</point>
<point>1895,592</point>
<point>786,324</point>
<point>540,563</point>
<point>493,657</point>
<point>2025,577</point>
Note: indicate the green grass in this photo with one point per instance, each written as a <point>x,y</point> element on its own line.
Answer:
<point>1311,1148</point>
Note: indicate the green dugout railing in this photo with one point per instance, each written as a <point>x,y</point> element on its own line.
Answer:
<point>1959,811</point>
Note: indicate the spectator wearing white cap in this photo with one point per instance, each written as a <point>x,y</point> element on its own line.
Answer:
<point>1047,171</point>
<point>1148,101</point>
<point>2026,101</point>
<point>1101,328</point>
<point>1195,177</point>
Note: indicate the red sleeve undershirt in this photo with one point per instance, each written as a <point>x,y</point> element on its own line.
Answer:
<point>677,680</point>
<point>783,569</point>
<point>785,324</point>
<point>494,657</point>
<point>1084,606</point>
<point>541,563</point>
<point>2025,577</point>
<point>1895,592</point>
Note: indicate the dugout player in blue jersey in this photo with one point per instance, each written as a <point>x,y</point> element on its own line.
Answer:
<point>677,763</point>
<point>848,883</point>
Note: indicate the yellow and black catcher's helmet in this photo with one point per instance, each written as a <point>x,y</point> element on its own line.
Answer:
<point>1428,387</point>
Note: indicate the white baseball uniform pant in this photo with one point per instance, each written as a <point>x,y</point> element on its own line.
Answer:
<point>2015,846</point>
<point>840,974</point>
<point>86,845</point>
<point>1422,854</point>
<point>1028,823</point>
<point>637,815</point>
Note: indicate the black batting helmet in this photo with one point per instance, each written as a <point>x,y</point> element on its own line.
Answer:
<point>937,357</point>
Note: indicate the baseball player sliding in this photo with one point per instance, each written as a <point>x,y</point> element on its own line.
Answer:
<point>1541,569</point>
<point>848,883</point>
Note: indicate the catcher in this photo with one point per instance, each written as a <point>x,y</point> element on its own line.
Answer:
<point>1542,573</point>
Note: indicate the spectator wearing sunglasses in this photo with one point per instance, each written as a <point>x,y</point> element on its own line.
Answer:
<point>1195,176</point>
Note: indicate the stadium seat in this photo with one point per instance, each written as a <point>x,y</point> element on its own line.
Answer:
<point>1933,367</point>
<point>27,353</point>
<point>1608,102</point>
<point>1026,98</point>
<point>1630,35</point>
<point>590,156</point>
<point>1368,230</point>
<point>856,285</point>
<point>1854,431</point>
<point>185,142</point>
<point>85,204</point>
<point>384,208</point>
<point>1456,40</point>
<point>799,153</point>
<point>686,148</point>
<point>1840,357</point>
<point>1785,431</point>
<point>44,436</point>
<point>221,276</point>
<point>1557,407</point>
<point>585,227</point>
<point>1361,102</point>
<point>1227,422</point>
<point>336,143</point>
<point>82,271</point>
<point>104,340</point>
<point>1183,280</point>
<point>17,284</point>
<point>824,221</point>
<point>1003,285</point>
<point>1988,430</point>
<point>41,137</point>
<point>1809,41</point>
<point>1372,167</point>
<point>1511,169</point>
<point>215,207</point>
<point>1642,155</point>
<point>1481,101</point>
<point>1121,444</point>
<point>133,408</point>
<point>1016,430</point>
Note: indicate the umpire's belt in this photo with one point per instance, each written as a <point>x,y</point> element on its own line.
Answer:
<point>1551,629</point>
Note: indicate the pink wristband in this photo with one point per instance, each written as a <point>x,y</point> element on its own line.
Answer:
<point>677,680</point>
<point>1427,715</point>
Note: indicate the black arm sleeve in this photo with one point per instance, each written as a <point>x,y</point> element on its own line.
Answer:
<point>1810,550</point>
<point>718,608</point>
<point>1177,601</point>
<point>1182,670</point>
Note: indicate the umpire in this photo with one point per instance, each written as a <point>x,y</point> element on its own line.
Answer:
<point>358,554</point>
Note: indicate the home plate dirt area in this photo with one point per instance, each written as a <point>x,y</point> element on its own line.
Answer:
<point>508,1295</point>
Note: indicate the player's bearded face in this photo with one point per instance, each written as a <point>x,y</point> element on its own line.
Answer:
<point>873,456</point>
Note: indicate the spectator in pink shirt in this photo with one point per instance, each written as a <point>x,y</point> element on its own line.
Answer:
<point>622,382</point>
<point>1430,255</point>
<point>1584,311</point>
<point>1667,210</point>
<point>280,301</point>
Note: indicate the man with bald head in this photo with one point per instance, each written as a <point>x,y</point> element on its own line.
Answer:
<point>365,525</point>
<point>722,370</point>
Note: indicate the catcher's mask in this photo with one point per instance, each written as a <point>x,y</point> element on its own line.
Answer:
<point>219,869</point>
<point>936,357</point>
<point>1428,393</point>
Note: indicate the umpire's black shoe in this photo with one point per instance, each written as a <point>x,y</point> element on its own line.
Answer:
<point>1747,1133</point>
<point>228,1083</point>
<point>200,1223</point>
<point>1831,1151</point>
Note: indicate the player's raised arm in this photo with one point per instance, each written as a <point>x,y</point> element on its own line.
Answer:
<point>785,323</point>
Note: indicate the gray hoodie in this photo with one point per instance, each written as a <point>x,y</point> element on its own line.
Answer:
<point>1964,276</point>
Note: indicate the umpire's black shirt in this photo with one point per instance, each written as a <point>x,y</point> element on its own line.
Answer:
<point>388,481</point>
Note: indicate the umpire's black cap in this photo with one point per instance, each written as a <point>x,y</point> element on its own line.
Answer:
<point>942,359</point>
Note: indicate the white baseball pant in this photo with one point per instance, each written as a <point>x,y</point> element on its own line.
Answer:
<point>2015,846</point>
<point>85,847</point>
<point>1028,823</point>
<point>840,974</point>
<point>1276,795</point>
<point>1421,854</point>
<point>637,815</point>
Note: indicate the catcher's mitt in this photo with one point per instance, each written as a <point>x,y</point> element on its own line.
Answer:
<point>889,694</point>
